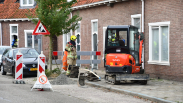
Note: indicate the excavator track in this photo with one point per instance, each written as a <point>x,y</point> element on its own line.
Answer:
<point>111,79</point>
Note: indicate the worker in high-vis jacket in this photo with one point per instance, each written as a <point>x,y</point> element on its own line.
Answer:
<point>71,53</point>
<point>14,43</point>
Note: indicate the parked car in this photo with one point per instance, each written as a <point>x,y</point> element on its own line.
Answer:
<point>30,61</point>
<point>2,49</point>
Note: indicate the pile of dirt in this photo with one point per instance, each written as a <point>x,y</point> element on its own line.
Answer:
<point>62,79</point>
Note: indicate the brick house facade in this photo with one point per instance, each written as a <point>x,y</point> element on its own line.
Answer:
<point>162,27</point>
<point>13,15</point>
<point>163,15</point>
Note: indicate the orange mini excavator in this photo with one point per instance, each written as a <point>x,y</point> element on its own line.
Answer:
<point>123,55</point>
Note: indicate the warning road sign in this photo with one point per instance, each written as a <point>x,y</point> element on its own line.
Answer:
<point>40,29</point>
<point>43,79</point>
<point>42,82</point>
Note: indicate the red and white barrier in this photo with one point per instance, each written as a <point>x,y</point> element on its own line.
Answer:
<point>19,66</point>
<point>41,63</point>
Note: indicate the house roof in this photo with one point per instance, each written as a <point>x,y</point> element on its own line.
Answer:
<point>10,10</point>
<point>83,4</point>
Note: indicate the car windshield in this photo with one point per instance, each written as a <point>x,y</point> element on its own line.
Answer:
<point>2,50</point>
<point>27,53</point>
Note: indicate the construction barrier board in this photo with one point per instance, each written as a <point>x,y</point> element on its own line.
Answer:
<point>42,82</point>
<point>19,66</point>
<point>41,64</point>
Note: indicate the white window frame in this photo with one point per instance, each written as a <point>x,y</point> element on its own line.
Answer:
<point>132,20</point>
<point>25,33</point>
<point>13,33</point>
<point>76,33</point>
<point>92,21</point>
<point>158,24</point>
<point>93,32</point>
<point>21,3</point>
<point>66,38</point>
<point>104,31</point>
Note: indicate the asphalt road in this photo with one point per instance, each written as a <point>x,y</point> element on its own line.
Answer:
<point>21,93</point>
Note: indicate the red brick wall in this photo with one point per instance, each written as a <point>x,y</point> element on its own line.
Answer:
<point>22,25</point>
<point>160,11</point>
<point>119,14</point>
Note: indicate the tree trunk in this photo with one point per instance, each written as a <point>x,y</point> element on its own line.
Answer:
<point>50,52</point>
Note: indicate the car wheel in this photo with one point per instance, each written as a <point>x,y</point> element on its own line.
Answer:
<point>2,70</point>
<point>13,72</point>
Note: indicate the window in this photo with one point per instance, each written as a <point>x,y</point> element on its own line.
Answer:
<point>11,54</point>
<point>27,2</point>
<point>94,28</point>
<point>104,31</point>
<point>13,32</point>
<point>134,44</point>
<point>78,41</point>
<point>117,37</point>
<point>159,43</point>
<point>66,39</point>
<point>136,21</point>
<point>6,53</point>
<point>1,1</point>
<point>32,41</point>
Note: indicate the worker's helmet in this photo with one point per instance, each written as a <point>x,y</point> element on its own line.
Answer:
<point>73,37</point>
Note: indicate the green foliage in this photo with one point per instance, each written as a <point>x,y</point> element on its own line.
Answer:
<point>54,14</point>
<point>54,72</point>
<point>47,72</point>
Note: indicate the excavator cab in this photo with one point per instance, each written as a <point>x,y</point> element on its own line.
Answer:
<point>123,51</point>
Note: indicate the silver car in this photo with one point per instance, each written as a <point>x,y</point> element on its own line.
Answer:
<point>2,48</point>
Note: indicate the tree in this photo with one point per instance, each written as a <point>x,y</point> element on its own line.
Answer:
<point>54,15</point>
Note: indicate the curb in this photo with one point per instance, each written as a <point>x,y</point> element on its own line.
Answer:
<point>144,96</point>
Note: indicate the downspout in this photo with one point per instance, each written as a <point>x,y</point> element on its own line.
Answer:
<point>1,32</point>
<point>142,15</point>
<point>143,32</point>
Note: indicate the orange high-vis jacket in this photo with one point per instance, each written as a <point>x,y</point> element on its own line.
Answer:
<point>64,61</point>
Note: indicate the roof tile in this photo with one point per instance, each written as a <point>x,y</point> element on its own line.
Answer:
<point>10,9</point>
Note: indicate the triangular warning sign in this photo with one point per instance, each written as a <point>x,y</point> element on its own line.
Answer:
<point>40,29</point>
<point>42,82</point>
